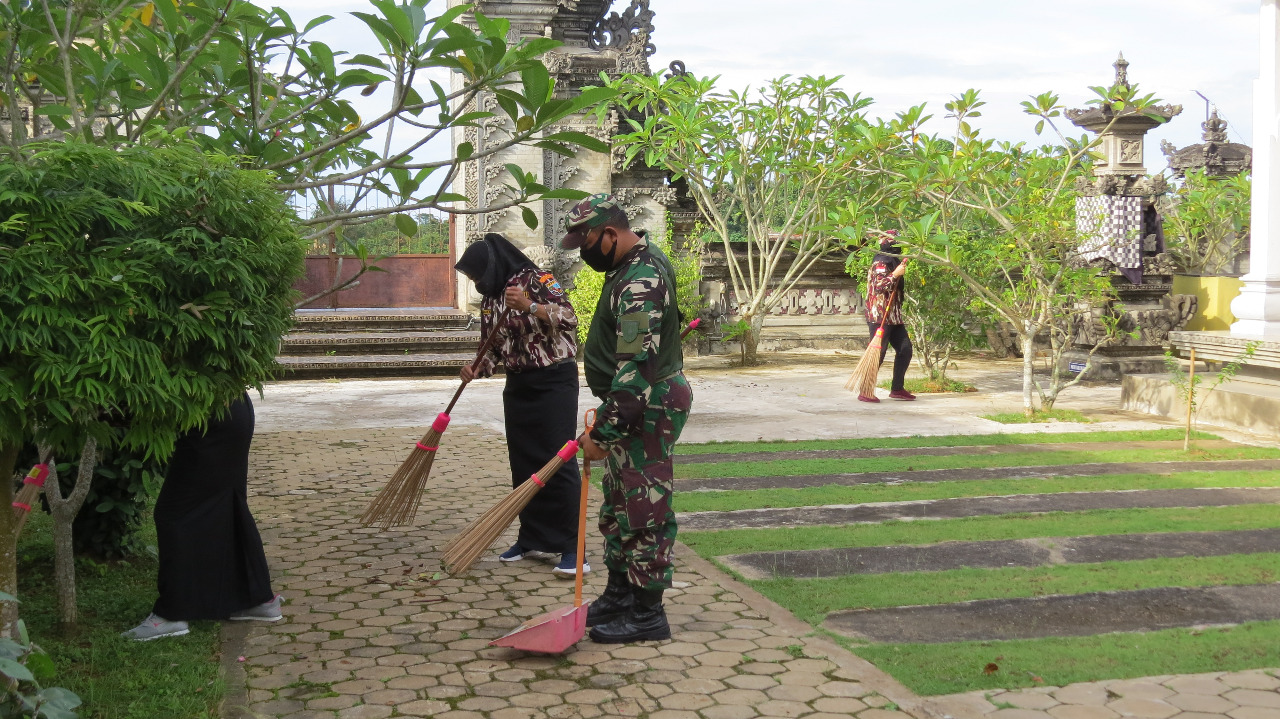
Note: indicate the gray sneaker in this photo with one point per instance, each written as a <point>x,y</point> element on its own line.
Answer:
<point>269,612</point>
<point>154,627</point>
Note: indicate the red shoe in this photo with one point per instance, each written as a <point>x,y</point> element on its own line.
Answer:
<point>901,394</point>
<point>864,398</point>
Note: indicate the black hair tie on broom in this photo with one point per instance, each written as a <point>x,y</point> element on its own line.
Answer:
<point>397,502</point>
<point>863,378</point>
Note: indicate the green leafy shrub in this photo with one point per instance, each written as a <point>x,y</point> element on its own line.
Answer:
<point>140,289</point>
<point>23,666</point>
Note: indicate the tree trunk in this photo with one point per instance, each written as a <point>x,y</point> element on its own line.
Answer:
<point>8,539</point>
<point>751,341</point>
<point>64,515</point>
<point>1028,368</point>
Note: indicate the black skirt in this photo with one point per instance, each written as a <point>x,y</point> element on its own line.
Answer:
<point>211,559</point>
<point>541,411</point>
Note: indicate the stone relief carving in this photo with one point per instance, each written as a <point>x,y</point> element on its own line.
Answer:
<point>1131,150</point>
<point>618,31</point>
<point>480,177</point>
<point>722,303</point>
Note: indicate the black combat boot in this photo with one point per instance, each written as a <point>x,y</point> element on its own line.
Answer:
<point>614,603</point>
<point>646,620</point>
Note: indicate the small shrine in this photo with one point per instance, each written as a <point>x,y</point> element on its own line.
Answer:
<point>1217,156</point>
<point>1117,213</point>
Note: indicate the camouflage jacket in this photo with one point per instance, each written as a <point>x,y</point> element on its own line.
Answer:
<point>634,342</point>
<point>880,284</point>
<point>526,341</point>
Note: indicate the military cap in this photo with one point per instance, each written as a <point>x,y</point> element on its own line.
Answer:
<point>586,216</point>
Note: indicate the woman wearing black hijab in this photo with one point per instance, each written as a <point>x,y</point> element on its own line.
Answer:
<point>885,305</point>
<point>536,343</point>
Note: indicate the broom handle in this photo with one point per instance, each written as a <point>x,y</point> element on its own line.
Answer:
<point>588,421</point>
<point>484,347</point>
<point>887,305</point>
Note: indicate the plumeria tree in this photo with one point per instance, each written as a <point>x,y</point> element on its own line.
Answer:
<point>252,83</point>
<point>765,167</point>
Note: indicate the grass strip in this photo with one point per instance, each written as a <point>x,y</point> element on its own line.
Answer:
<point>813,599</point>
<point>729,500</point>
<point>115,677</point>
<point>1008,526</point>
<point>794,467</point>
<point>931,669</point>
<point>954,440</point>
<point>1057,415</point>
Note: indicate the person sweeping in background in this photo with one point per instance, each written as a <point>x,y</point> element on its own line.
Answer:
<point>884,305</point>
<point>634,365</point>
<point>536,344</point>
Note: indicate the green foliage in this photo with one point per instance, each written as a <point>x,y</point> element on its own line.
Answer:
<point>139,287</point>
<point>382,237</point>
<point>926,385</point>
<point>123,482</point>
<point>1188,386</point>
<point>24,666</point>
<point>258,86</point>
<point>1207,222</point>
<point>1040,415</point>
<point>769,165</point>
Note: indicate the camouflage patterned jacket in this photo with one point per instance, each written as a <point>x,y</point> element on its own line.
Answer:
<point>526,341</point>
<point>634,342</point>
<point>880,284</point>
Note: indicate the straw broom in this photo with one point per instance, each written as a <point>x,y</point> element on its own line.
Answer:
<point>464,549</point>
<point>397,503</point>
<point>863,378</point>
<point>31,486</point>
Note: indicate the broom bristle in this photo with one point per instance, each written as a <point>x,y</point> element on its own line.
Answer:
<point>863,378</point>
<point>464,549</point>
<point>397,502</point>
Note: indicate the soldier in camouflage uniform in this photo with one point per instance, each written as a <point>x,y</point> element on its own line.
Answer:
<point>633,364</point>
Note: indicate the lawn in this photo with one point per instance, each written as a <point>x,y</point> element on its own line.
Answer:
<point>729,500</point>
<point>799,467</point>
<point>973,666</point>
<point>115,677</point>
<point>954,440</point>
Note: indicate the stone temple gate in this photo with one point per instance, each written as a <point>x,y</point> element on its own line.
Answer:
<point>595,41</point>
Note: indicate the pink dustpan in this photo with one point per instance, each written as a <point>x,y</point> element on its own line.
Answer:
<point>550,633</point>
<point>556,631</point>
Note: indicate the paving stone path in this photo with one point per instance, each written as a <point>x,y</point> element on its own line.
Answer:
<point>369,632</point>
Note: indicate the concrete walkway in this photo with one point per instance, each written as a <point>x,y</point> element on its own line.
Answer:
<point>371,630</point>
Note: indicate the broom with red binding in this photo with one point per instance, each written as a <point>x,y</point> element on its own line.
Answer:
<point>464,549</point>
<point>397,502</point>
<point>27,496</point>
<point>863,378</point>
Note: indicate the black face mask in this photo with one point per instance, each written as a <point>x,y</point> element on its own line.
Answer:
<point>596,259</point>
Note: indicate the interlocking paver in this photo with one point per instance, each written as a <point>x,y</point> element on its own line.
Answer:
<point>372,629</point>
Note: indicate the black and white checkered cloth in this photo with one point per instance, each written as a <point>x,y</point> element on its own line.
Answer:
<point>1112,228</point>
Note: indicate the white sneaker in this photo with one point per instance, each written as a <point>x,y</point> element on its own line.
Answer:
<point>568,566</point>
<point>268,612</point>
<point>154,627</point>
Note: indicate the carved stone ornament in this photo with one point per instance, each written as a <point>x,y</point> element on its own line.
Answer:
<point>1216,156</point>
<point>619,31</point>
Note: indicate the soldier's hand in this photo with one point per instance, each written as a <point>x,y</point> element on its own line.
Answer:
<point>517,300</point>
<point>591,451</point>
<point>467,374</point>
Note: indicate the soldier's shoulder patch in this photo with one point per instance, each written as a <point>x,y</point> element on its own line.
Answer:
<point>548,280</point>
<point>485,311</point>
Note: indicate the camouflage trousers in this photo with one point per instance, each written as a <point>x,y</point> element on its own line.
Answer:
<point>636,519</point>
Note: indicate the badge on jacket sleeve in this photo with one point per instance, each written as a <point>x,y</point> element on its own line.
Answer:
<point>547,280</point>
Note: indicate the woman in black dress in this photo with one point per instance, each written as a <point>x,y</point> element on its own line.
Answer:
<point>212,565</point>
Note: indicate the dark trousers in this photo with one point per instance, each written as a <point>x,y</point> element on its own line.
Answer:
<point>540,407</point>
<point>896,335</point>
<point>211,559</point>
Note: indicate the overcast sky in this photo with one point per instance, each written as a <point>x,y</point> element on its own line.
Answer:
<point>903,52</point>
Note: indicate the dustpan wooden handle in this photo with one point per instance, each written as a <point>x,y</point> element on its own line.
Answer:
<point>588,421</point>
